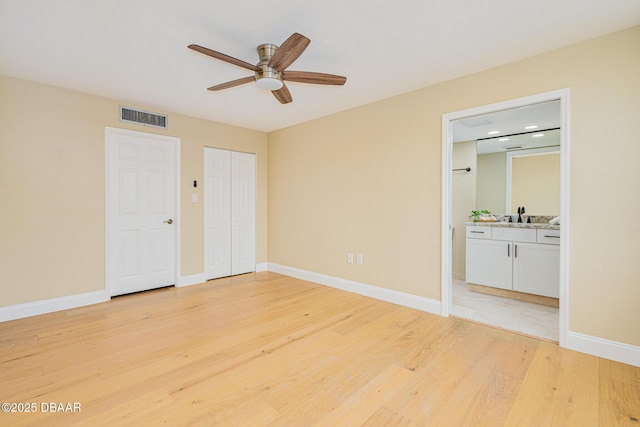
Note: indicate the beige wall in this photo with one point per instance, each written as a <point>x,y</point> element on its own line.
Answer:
<point>535,184</point>
<point>368,180</point>
<point>52,188</point>
<point>360,181</point>
<point>463,200</point>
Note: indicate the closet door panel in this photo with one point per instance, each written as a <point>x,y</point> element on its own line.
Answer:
<point>217,189</point>
<point>243,212</point>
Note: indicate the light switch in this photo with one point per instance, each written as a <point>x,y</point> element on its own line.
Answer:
<point>194,198</point>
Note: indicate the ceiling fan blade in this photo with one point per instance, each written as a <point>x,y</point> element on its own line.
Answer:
<point>232,83</point>
<point>289,51</point>
<point>314,78</point>
<point>223,57</point>
<point>283,95</point>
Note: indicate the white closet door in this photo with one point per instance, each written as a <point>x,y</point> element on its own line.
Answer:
<point>217,220</point>
<point>243,212</point>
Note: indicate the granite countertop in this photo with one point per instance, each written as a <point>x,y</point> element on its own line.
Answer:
<point>541,225</point>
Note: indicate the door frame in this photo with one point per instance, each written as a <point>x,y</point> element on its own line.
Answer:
<point>108,132</point>
<point>562,95</point>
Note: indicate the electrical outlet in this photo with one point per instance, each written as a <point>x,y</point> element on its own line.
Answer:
<point>359,259</point>
<point>350,258</point>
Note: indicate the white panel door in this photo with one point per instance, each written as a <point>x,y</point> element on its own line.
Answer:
<point>217,219</point>
<point>243,212</point>
<point>140,205</point>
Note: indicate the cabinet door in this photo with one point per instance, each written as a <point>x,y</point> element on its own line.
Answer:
<point>536,269</point>
<point>489,263</point>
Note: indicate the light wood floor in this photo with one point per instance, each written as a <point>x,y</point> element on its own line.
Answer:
<point>268,350</point>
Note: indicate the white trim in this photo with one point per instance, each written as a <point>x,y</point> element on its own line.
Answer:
<point>565,185</point>
<point>395,297</point>
<point>107,190</point>
<point>447,161</point>
<point>177,212</point>
<point>613,350</point>
<point>446,266</point>
<point>108,131</point>
<point>36,308</point>
<point>193,279</point>
<point>196,279</point>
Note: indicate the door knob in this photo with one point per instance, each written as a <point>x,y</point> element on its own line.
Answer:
<point>169,221</point>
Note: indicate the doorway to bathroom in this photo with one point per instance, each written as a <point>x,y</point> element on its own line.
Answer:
<point>488,138</point>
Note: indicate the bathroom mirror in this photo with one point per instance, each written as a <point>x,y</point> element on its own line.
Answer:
<point>533,181</point>
<point>505,145</point>
<point>530,177</point>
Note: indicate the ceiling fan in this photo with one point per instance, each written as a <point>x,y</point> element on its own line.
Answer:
<point>270,72</point>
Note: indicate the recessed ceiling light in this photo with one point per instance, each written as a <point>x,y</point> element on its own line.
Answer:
<point>537,135</point>
<point>531,127</point>
<point>493,132</point>
<point>503,139</point>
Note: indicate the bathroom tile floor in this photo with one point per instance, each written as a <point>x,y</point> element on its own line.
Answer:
<point>525,317</point>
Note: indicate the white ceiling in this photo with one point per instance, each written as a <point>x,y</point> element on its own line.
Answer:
<point>135,51</point>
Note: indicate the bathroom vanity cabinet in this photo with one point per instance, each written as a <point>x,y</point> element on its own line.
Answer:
<point>518,259</point>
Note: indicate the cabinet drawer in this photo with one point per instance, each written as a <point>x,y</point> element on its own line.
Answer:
<point>478,232</point>
<point>549,236</point>
<point>514,234</point>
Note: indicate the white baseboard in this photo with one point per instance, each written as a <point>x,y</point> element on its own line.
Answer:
<point>613,350</point>
<point>196,279</point>
<point>388,295</point>
<point>35,308</point>
<point>193,279</point>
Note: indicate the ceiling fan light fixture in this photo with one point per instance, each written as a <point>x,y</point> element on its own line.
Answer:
<point>269,83</point>
<point>266,77</point>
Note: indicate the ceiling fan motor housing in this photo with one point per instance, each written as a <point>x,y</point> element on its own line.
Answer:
<point>267,77</point>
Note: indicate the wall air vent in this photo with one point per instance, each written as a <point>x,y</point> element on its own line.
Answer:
<point>142,117</point>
